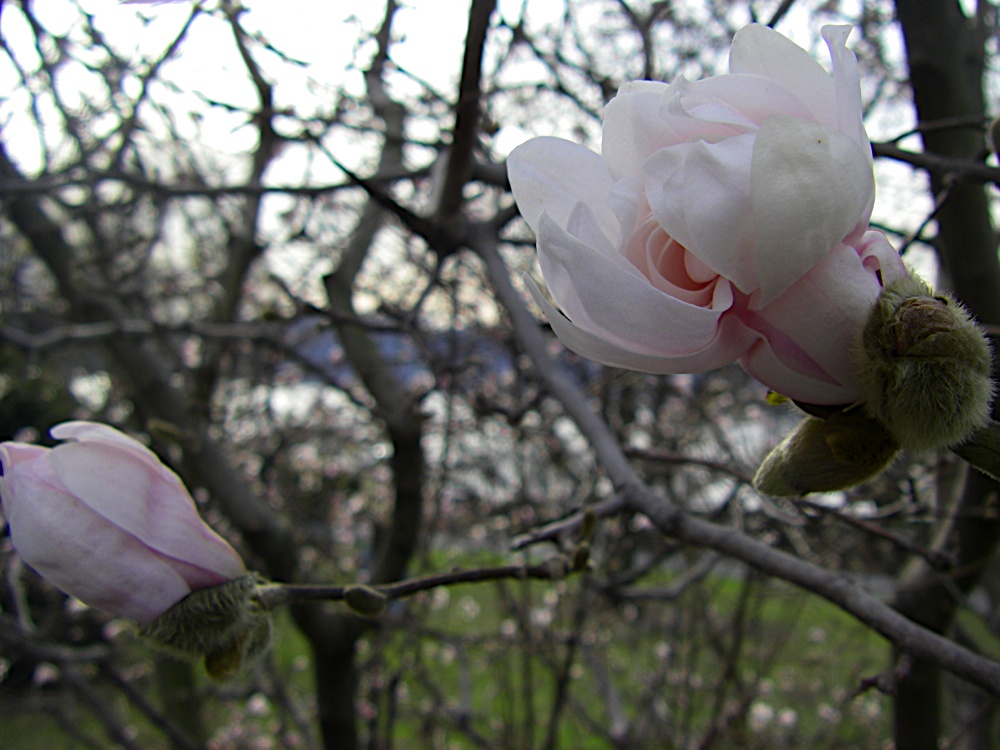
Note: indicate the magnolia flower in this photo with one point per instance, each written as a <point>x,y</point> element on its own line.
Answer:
<point>725,220</point>
<point>103,519</point>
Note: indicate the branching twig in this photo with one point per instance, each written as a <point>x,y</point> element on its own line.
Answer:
<point>966,169</point>
<point>273,595</point>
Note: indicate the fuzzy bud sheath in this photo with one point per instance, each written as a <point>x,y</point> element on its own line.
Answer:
<point>224,624</point>
<point>924,369</point>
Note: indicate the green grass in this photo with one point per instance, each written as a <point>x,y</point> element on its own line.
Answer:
<point>798,654</point>
<point>474,652</point>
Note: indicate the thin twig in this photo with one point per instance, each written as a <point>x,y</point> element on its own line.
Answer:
<point>273,595</point>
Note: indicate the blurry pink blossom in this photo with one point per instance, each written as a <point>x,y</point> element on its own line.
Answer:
<point>725,220</point>
<point>104,520</point>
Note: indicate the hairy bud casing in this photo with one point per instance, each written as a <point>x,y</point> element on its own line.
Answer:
<point>224,624</point>
<point>924,367</point>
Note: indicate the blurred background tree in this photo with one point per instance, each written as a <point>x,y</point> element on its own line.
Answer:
<point>278,240</point>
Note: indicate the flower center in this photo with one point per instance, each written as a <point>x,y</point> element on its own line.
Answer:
<point>668,265</point>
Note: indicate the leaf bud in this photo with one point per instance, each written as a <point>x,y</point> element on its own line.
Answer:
<point>365,600</point>
<point>826,455</point>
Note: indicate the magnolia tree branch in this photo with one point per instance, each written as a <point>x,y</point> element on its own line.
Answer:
<point>969,170</point>
<point>273,595</point>
<point>673,522</point>
<point>93,178</point>
<point>467,109</point>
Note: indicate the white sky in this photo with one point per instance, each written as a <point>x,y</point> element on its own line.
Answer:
<point>324,34</point>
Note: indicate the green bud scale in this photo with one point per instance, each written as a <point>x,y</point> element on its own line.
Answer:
<point>924,367</point>
<point>826,455</point>
<point>225,624</point>
<point>365,600</point>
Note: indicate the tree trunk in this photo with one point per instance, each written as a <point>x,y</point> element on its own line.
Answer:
<point>945,55</point>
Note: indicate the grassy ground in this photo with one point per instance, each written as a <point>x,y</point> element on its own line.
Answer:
<point>521,663</point>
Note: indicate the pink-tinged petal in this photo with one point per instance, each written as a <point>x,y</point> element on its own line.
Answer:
<point>667,265</point>
<point>96,432</point>
<point>758,50</point>
<point>739,102</point>
<point>633,126</point>
<point>847,85</point>
<point>148,502</point>
<point>620,305</point>
<point>100,433</point>
<point>809,188</point>
<point>583,225</point>
<point>881,258</point>
<point>196,577</point>
<point>16,460</point>
<point>700,194</point>
<point>83,554</point>
<point>551,175</point>
<point>12,454</point>
<point>627,200</point>
<point>764,365</point>
<point>811,329</point>
<point>731,338</point>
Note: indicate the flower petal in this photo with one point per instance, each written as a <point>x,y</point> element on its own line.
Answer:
<point>633,126</point>
<point>809,187</point>
<point>881,258</point>
<point>761,51</point>
<point>146,501</point>
<point>810,330</point>
<point>82,553</point>
<point>700,194</point>
<point>95,432</point>
<point>738,102</point>
<point>620,305</point>
<point>552,175</point>
<point>847,85</point>
<point>731,338</point>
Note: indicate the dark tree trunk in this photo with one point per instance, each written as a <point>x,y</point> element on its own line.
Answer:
<point>945,54</point>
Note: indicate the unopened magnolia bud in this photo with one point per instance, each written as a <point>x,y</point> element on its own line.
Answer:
<point>924,367</point>
<point>826,455</point>
<point>365,600</point>
<point>224,624</point>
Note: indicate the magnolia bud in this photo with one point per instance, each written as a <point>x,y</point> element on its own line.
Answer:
<point>924,367</point>
<point>103,519</point>
<point>225,624</point>
<point>365,600</point>
<point>826,455</point>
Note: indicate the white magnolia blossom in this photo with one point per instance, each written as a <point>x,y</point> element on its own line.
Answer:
<point>725,220</point>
